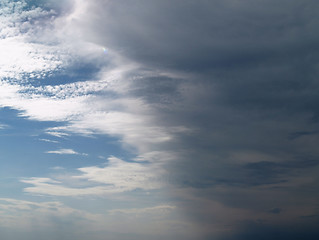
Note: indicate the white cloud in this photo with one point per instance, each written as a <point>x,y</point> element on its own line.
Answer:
<point>19,58</point>
<point>135,129</point>
<point>64,151</point>
<point>47,186</point>
<point>39,107</point>
<point>48,140</point>
<point>124,176</point>
<point>56,133</point>
<point>115,177</point>
<point>20,54</point>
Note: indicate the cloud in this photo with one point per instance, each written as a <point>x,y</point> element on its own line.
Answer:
<point>56,133</point>
<point>21,56</point>
<point>48,140</point>
<point>117,176</point>
<point>46,186</point>
<point>36,219</point>
<point>40,212</point>
<point>64,151</point>
<point>38,107</point>
<point>222,95</point>
<point>125,176</point>
<point>162,209</point>
<point>102,105</point>
<point>3,126</point>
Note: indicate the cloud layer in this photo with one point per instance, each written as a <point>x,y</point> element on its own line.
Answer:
<point>214,100</point>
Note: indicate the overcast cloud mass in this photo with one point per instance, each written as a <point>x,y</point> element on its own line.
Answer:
<point>157,119</point>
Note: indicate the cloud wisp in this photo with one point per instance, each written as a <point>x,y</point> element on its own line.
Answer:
<point>65,151</point>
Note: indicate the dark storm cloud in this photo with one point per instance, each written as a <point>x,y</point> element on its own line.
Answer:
<point>258,230</point>
<point>208,35</point>
<point>249,99</point>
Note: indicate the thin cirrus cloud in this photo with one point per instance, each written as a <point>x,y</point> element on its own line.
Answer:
<point>48,140</point>
<point>64,151</point>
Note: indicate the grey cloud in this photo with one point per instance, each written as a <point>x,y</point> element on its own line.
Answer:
<point>275,210</point>
<point>265,231</point>
<point>205,35</point>
<point>251,85</point>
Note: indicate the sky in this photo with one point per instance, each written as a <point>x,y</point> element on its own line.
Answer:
<point>159,119</point>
